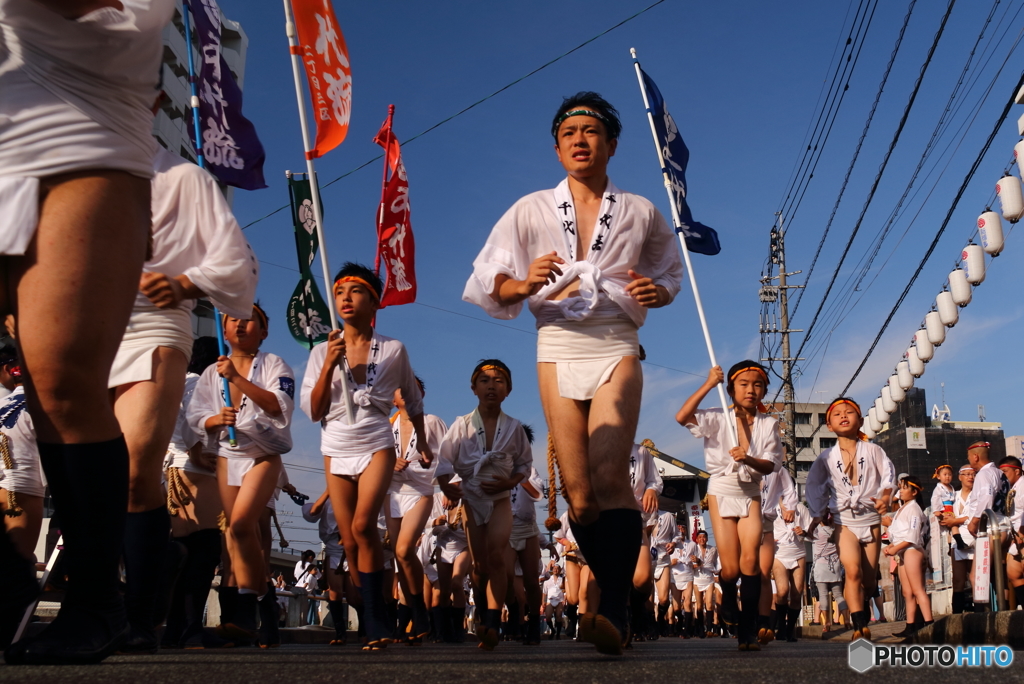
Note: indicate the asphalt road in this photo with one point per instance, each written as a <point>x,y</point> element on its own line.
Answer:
<point>667,660</point>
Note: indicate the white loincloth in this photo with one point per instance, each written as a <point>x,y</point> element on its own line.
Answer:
<point>400,504</point>
<point>521,534</point>
<point>863,532</point>
<point>149,328</point>
<point>586,352</point>
<point>372,437</point>
<point>733,506</point>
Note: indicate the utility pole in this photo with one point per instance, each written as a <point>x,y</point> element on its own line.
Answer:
<point>780,294</point>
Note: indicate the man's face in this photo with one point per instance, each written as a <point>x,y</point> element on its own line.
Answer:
<point>583,147</point>
<point>967,479</point>
<point>1011,472</point>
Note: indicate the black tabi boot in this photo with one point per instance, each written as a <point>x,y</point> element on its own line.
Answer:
<point>339,615</point>
<point>687,625</point>
<point>699,625</point>
<point>193,587</point>
<point>610,545</point>
<point>371,590</point>
<point>781,632</point>
<point>458,615</point>
<point>750,595</point>
<point>89,490</point>
<point>860,620</point>
<point>168,600</point>
<point>709,623</point>
<point>404,617</point>
<point>20,588</point>
<point>792,618</point>
<point>489,629</point>
<point>420,618</point>
<point>638,614</point>
<point>765,631</point>
<point>270,633</point>
<point>439,616</point>
<point>246,619</point>
<point>532,637</point>
<point>146,537</point>
<point>663,619</point>
<point>227,597</point>
<point>911,626</point>
<point>361,619</point>
<point>571,618</point>
<point>511,632</point>
<point>729,612</point>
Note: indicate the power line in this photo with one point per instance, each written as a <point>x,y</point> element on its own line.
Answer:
<point>942,228</point>
<point>475,104</point>
<point>881,171</point>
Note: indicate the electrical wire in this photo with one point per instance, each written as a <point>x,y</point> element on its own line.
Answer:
<point>475,104</point>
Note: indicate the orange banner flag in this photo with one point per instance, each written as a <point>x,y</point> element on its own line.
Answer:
<point>325,58</point>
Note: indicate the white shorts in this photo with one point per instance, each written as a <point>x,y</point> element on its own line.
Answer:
<point>400,504</point>
<point>586,352</point>
<point>734,506</point>
<point>149,328</point>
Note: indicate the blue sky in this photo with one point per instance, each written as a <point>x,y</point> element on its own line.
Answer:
<point>743,81</point>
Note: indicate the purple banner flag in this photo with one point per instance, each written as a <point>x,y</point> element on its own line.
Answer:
<point>230,147</point>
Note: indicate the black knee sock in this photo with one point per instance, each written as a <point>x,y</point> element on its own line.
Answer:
<point>958,602</point>
<point>196,578</point>
<point>361,617</point>
<point>89,491</point>
<point>404,617</point>
<point>18,579</point>
<point>228,599</point>
<point>371,590</point>
<point>246,612</point>
<point>338,611</point>
<point>145,544</point>
<point>613,542</point>
<point>730,610</point>
<point>269,631</point>
<point>513,618</point>
<point>750,596</point>
<point>780,619</point>
<point>420,617</point>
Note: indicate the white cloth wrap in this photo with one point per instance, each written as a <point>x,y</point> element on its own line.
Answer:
<point>639,239</point>
<point>149,328</point>
<point>416,479</point>
<point>850,503</point>
<point>586,352</point>
<point>788,545</point>
<point>908,525</point>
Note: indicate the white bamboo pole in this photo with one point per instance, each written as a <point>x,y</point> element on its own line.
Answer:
<point>293,44</point>
<point>723,398</point>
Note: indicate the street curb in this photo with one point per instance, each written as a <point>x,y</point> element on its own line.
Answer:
<point>1004,627</point>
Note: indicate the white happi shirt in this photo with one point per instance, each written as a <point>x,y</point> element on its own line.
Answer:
<point>683,555</point>
<point>987,482</point>
<point>708,565</point>
<point>908,525</point>
<point>416,479</point>
<point>777,485</point>
<point>728,477</point>
<point>664,534</point>
<point>942,492</point>
<point>184,437</point>
<point>553,591</point>
<point>630,234</point>
<point>196,235</point>
<point>258,433</point>
<point>850,502</point>
<point>643,472</point>
<point>387,369</point>
<point>788,545</point>
<point>524,504</point>
<point>464,452</point>
<point>1015,509</point>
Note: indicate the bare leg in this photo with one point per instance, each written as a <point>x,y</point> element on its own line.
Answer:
<point>405,532</point>
<point>147,412</point>
<point>243,507</point>
<point>913,567</point>
<point>356,503</point>
<point>487,545</point>
<point>766,559</point>
<point>203,511</point>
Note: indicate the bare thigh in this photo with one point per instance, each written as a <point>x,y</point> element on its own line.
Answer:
<point>147,412</point>
<point>205,508</point>
<point>79,275</point>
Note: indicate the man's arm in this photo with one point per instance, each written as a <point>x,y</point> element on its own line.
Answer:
<point>543,270</point>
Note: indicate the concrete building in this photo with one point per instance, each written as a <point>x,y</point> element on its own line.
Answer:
<point>811,436</point>
<point>1015,446</point>
<point>917,444</point>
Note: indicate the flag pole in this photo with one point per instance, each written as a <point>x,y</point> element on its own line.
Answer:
<point>222,347</point>
<point>296,52</point>
<point>723,398</point>
<point>383,188</point>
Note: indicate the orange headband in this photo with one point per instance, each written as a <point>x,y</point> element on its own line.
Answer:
<point>750,368</point>
<point>911,484</point>
<point>491,367</point>
<point>936,475</point>
<point>258,311</point>
<point>361,281</point>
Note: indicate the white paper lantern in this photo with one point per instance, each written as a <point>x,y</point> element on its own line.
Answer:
<point>990,230</point>
<point>973,259</point>
<point>880,413</point>
<point>887,403</point>
<point>1011,198</point>
<point>914,363</point>
<point>866,429</point>
<point>873,422</point>
<point>935,329</point>
<point>904,374</point>
<point>948,313</point>
<point>959,288</point>
<point>925,350</point>
<point>896,391</point>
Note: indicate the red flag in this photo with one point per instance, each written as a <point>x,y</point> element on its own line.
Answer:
<point>325,57</point>
<point>395,244</point>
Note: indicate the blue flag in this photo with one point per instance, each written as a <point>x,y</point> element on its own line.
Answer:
<point>699,238</point>
<point>230,147</point>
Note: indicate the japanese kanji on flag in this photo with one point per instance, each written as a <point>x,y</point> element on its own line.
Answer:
<point>325,58</point>
<point>395,246</point>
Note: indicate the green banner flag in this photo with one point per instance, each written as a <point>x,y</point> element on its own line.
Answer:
<point>306,240</point>
<point>309,320</point>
